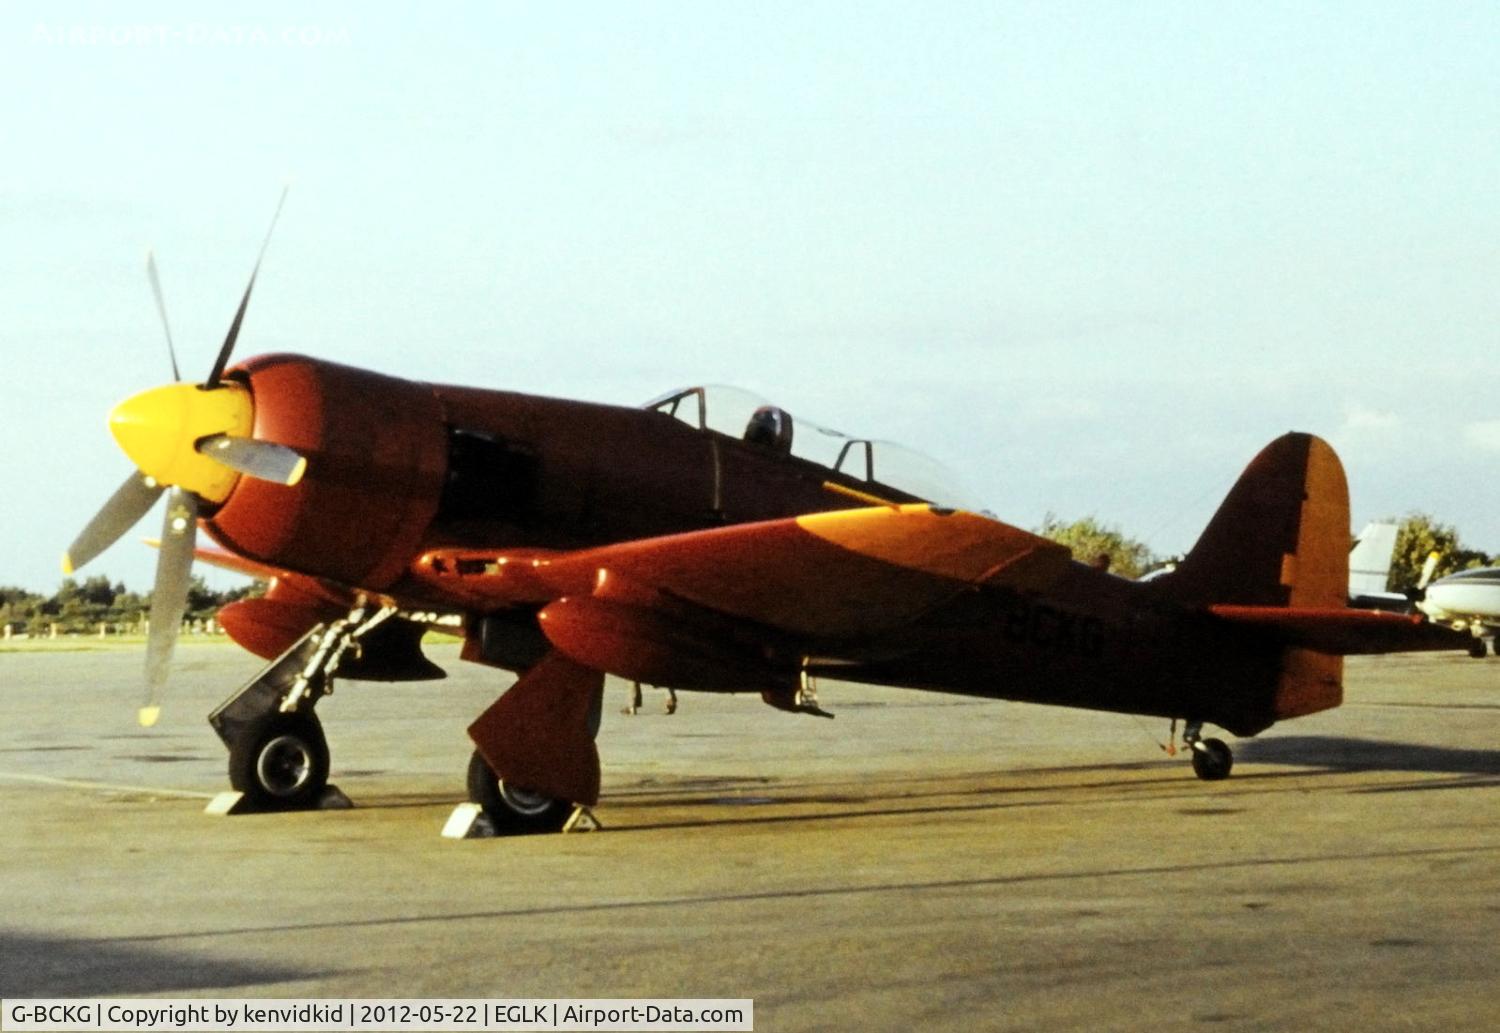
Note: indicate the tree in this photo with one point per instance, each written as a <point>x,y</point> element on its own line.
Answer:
<point>98,591</point>
<point>80,608</point>
<point>18,597</point>
<point>1417,537</point>
<point>18,606</point>
<point>1090,541</point>
<point>203,602</point>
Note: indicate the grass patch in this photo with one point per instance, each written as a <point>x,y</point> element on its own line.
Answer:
<point>111,643</point>
<point>95,644</point>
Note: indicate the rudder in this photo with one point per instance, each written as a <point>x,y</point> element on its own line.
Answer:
<point>1280,538</point>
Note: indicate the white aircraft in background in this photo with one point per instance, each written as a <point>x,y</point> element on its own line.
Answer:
<point>1468,599</point>
<point>1370,570</point>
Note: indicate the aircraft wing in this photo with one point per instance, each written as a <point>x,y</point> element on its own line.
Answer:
<point>843,572</point>
<point>1344,632</point>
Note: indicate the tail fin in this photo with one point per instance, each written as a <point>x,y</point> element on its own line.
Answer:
<point>1370,559</point>
<point>1280,538</point>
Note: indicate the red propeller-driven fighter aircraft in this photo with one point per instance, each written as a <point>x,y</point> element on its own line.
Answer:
<point>699,542</point>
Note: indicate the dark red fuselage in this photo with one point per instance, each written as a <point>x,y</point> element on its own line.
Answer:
<point>396,467</point>
<point>425,493</point>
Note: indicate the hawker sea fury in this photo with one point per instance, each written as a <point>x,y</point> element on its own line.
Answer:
<point>704,542</point>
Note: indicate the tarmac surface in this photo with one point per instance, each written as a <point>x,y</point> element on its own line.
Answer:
<point>922,862</point>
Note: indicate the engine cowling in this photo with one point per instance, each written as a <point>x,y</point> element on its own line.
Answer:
<point>376,457</point>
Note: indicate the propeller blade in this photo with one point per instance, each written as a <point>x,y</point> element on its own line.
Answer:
<point>174,572</point>
<point>239,317</point>
<point>1428,569</point>
<point>263,460</point>
<point>126,506</point>
<point>161,307</point>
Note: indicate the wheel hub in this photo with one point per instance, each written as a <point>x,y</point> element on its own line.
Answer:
<point>524,801</point>
<point>284,766</point>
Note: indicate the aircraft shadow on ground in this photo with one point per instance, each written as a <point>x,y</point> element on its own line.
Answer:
<point>926,802</point>
<point>40,966</point>
<point>1341,754</point>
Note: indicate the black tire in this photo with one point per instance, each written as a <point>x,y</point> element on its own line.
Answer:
<point>512,810</point>
<point>281,762</point>
<point>1212,760</point>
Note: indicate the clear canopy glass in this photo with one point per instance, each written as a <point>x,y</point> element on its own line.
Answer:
<point>731,411</point>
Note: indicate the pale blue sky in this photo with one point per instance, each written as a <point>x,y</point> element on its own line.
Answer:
<point>1091,255</point>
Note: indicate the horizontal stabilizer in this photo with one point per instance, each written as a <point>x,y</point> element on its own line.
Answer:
<point>1343,632</point>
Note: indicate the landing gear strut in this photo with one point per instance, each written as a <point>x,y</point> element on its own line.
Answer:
<point>278,756</point>
<point>1212,758</point>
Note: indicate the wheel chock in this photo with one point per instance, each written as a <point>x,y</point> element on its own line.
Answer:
<point>468,821</point>
<point>232,801</point>
<point>582,820</point>
<point>227,803</point>
<point>333,799</point>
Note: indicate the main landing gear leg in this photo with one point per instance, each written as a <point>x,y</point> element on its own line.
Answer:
<point>536,766</point>
<point>1212,759</point>
<point>278,757</point>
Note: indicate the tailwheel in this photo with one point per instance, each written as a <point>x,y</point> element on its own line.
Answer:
<point>514,810</point>
<point>280,761</point>
<point>1212,759</point>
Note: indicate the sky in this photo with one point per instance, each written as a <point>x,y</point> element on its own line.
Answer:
<point>1092,256</point>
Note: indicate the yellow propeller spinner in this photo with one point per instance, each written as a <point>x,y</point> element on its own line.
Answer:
<point>159,429</point>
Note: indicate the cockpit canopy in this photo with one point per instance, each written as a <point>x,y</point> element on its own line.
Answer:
<point>741,414</point>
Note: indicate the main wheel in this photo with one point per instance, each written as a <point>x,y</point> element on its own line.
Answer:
<point>281,761</point>
<point>513,810</point>
<point>1212,760</point>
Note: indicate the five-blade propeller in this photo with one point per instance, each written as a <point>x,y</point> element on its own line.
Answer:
<point>165,431</point>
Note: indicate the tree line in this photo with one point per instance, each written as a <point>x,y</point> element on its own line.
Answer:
<point>1418,535</point>
<point>82,607</point>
